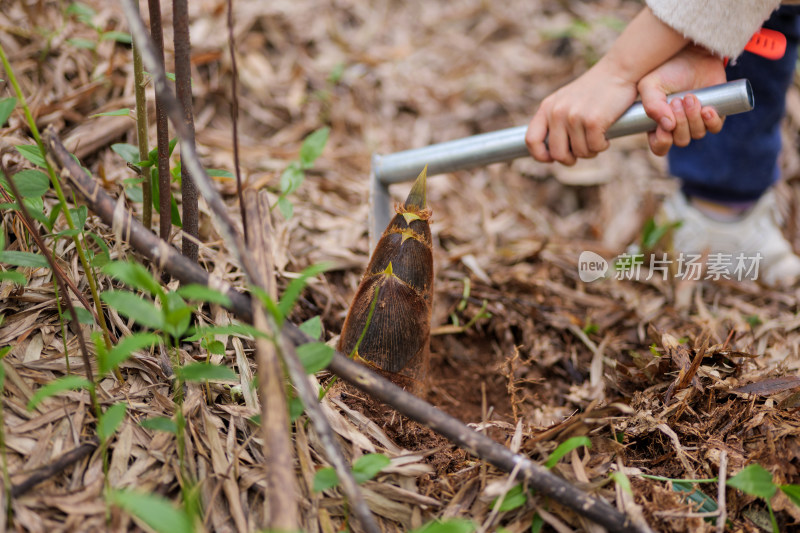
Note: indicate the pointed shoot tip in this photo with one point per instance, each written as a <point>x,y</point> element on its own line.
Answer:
<point>417,197</point>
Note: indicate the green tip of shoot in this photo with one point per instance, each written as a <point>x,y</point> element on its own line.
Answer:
<point>417,197</point>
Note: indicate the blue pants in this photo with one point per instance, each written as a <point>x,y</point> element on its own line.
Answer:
<point>741,162</point>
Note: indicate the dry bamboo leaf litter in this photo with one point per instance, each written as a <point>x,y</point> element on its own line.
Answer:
<point>434,77</point>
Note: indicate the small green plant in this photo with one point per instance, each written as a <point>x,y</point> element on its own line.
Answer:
<point>86,14</point>
<point>753,320</point>
<point>447,525</point>
<point>170,321</point>
<point>156,512</point>
<point>517,496</point>
<point>652,233</point>
<point>365,468</point>
<point>294,175</point>
<point>462,305</point>
<point>756,481</point>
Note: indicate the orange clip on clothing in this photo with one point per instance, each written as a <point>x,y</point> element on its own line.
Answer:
<point>766,43</point>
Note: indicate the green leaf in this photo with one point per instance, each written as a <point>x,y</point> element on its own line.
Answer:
<point>54,387</point>
<point>703,502</point>
<point>134,275</point>
<point>177,315</point>
<point>124,348</point>
<point>203,293</point>
<point>296,286</point>
<point>219,173</point>
<point>134,193</point>
<point>23,259</point>
<point>128,152</point>
<point>84,315</point>
<point>119,36</point>
<point>325,479</point>
<point>296,408</point>
<point>622,480</point>
<point>32,153</point>
<point>537,523</point>
<point>565,447</point>
<point>448,525</point>
<point>134,307</point>
<point>755,480</point>
<point>315,356</point>
<point>199,372</point>
<point>79,215</point>
<point>291,179</point>
<point>368,466</point>
<point>239,330</point>
<point>268,303</point>
<point>160,423</point>
<point>514,498</point>
<point>110,421</point>
<point>80,42</point>
<point>14,276</point>
<point>286,208</point>
<point>175,212</point>
<point>216,348</point>
<point>158,513</point>
<point>7,106</point>
<point>793,492</point>
<point>312,327</point>
<point>124,112</point>
<point>313,145</point>
<point>81,11</point>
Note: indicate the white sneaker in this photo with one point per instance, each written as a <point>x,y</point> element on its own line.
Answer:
<point>756,232</point>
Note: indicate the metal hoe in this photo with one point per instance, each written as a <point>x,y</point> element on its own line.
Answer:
<point>504,145</point>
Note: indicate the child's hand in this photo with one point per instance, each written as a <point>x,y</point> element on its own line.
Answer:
<point>572,122</point>
<point>684,119</point>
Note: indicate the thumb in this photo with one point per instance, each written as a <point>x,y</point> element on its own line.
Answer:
<point>654,100</point>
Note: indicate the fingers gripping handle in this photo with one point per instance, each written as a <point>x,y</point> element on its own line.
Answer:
<point>728,99</point>
<point>504,145</point>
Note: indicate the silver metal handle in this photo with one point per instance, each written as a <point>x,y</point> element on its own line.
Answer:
<point>504,145</point>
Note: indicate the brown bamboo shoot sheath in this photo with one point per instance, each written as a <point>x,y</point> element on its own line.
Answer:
<point>396,339</point>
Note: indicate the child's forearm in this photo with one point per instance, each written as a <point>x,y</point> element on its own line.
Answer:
<point>645,44</point>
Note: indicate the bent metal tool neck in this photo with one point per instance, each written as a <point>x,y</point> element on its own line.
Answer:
<point>508,144</point>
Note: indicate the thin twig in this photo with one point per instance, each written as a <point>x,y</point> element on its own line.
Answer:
<point>235,118</point>
<point>183,90</point>
<point>280,499</point>
<point>162,126</point>
<point>49,470</point>
<point>721,503</point>
<point>480,446</point>
<point>235,244</point>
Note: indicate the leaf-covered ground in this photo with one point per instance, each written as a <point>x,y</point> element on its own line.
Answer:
<point>666,378</point>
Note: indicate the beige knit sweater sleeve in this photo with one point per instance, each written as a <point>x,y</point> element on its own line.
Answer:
<point>722,26</point>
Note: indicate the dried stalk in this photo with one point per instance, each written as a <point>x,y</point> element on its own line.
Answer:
<point>286,351</point>
<point>183,90</point>
<point>235,118</point>
<point>481,446</point>
<point>280,501</point>
<point>141,136</point>
<point>162,126</point>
